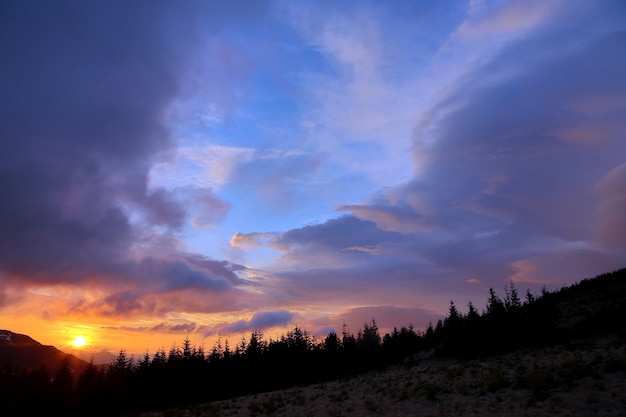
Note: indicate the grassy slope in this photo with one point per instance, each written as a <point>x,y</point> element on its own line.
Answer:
<point>586,377</point>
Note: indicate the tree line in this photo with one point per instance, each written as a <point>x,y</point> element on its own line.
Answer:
<point>188,373</point>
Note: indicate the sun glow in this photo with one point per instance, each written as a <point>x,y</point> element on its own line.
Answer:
<point>79,341</point>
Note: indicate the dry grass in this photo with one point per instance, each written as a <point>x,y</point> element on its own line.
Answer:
<point>583,379</point>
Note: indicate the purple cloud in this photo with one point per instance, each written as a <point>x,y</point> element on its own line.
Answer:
<point>259,321</point>
<point>176,328</point>
<point>85,90</point>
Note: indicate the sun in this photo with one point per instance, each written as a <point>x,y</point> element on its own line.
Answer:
<point>79,341</point>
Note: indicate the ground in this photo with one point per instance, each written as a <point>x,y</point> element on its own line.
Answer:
<point>584,378</point>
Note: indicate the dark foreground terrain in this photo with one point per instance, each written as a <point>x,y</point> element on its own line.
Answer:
<point>581,378</point>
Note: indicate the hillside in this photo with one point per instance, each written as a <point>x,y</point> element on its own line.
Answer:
<point>19,351</point>
<point>581,378</point>
<point>577,367</point>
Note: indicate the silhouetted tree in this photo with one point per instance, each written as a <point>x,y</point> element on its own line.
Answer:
<point>400,344</point>
<point>227,352</point>
<point>369,338</point>
<point>511,300</point>
<point>256,346</point>
<point>331,343</point>
<point>495,306</point>
<point>187,349</point>
<point>472,313</point>
<point>63,384</point>
<point>89,388</point>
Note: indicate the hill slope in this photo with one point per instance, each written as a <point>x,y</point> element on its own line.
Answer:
<point>19,351</point>
<point>578,367</point>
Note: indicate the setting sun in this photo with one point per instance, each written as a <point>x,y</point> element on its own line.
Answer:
<point>79,341</point>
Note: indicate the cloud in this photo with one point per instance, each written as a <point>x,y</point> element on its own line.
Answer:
<point>163,209</point>
<point>371,251</point>
<point>201,166</point>
<point>126,303</point>
<point>612,223</point>
<point>153,286</point>
<point>338,234</point>
<point>400,218</point>
<point>206,208</point>
<point>86,98</point>
<point>178,274</point>
<point>174,328</point>
<point>82,117</point>
<point>259,321</point>
<point>362,101</point>
<point>252,240</point>
<point>514,17</point>
<point>278,177</point>
<point>514,180</point>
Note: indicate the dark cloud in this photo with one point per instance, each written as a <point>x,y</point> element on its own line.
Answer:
<point>161,285</point>
<point>503,171</point>
<point>338,234</point>
<point>176,328</point>
<point>85,88</point>
<point>259,321</point>
<point>179,274</point>
<point>162,209</point>
<point>126,303</point>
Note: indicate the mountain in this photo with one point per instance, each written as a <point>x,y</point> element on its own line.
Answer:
<point>101,357</point>
<point>19,351</point>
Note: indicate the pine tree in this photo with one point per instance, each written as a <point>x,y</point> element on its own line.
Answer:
<point>187,349</point>
<point>121,364</point>
<point>472,313</point>
<point>89,388</point>
<point>495,306</point>
<point>511,300</point>
<point>369,338</point>
<point>331,342</point>
<point>63,384</point>
<point>227,352</point>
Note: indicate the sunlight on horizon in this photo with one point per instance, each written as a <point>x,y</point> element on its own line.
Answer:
<point>79,342</point>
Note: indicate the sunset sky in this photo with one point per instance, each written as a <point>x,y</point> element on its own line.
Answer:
<point>204,169</point>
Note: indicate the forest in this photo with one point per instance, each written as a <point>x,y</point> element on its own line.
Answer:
<point>188,374</point>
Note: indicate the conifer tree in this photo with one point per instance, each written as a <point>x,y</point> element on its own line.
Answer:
<point>63,384</point>
<point>331,342</point>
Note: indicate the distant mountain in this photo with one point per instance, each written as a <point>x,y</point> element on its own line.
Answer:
<point>102,357</point>
<point>20,352</point>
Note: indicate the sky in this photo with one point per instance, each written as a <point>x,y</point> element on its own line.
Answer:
<point>203,169</point>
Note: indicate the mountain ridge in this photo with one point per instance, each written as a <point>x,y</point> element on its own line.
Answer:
<point>21,352</point>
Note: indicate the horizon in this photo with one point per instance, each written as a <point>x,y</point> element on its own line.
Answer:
<point>194,169</point>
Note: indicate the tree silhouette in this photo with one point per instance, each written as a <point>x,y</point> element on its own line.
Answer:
<point>89,388</point>
<point>63,384</point>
